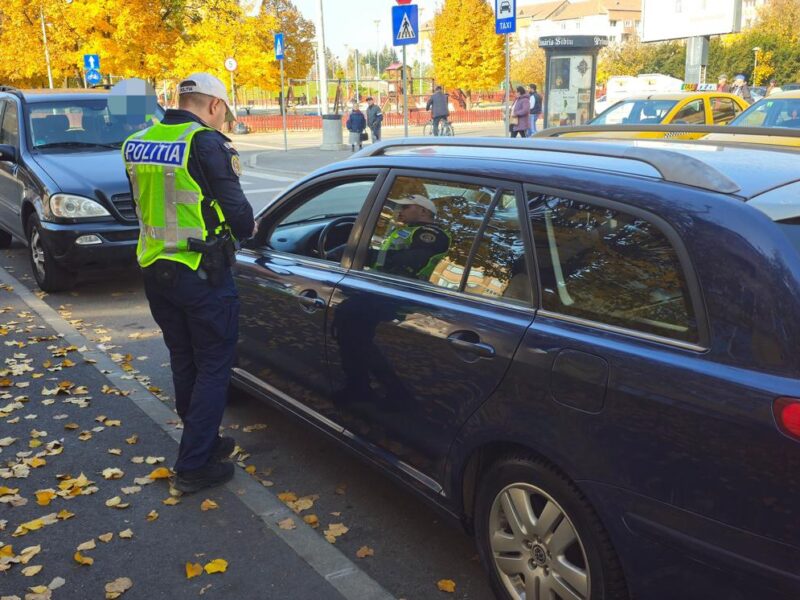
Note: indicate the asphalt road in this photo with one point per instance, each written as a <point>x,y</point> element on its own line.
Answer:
<point>414,546</point>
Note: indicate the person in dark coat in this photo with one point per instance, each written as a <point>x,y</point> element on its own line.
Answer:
<point>356,124</point>
<point>374,119</point>
<point>536,108</point>
<point>439,105</point>
<point>522,110</point>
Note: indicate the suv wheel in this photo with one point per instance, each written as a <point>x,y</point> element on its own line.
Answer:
<point>50,276</point>
<point>539,538</point>
<point>5,239</point>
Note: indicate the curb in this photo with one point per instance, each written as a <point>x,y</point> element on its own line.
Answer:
<point>329,562</point>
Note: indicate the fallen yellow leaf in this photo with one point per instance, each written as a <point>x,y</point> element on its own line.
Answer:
<point>32,570</point>
<point>218,565</point>
<point>36,462</point>
<point>44,497</point>
<point>133,439</point>
<point>334,531</point>
<point>193,570</point>
<point>105,537</point>
<point>90,545</point>
<point>446,585</point>
<point>250,469</point>
<point>7,491</point>
<point>152,515</point>
<point>287,497</point>
<point>126,534</point>
<point>311,520</point>
<point>113,473</point>
<point>65,514</point>
<point>171,501</point>
<point>365,551</point>
<point>71,426</point>
<point>287,523</point>
<point>159,473</point>
<point>208,505</point>
<point>83,560</point>
<point>115,589</point>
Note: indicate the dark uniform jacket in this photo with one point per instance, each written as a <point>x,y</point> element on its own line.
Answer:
<point>214,165</point>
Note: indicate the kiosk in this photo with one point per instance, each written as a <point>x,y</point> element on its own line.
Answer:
<point>570,78</point>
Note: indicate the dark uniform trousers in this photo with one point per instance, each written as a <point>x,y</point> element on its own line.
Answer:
<point>200,325</point>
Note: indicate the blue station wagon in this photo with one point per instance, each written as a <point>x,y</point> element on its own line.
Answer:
<point>586,351</point>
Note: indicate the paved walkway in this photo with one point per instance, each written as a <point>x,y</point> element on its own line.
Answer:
<point>80,439</point>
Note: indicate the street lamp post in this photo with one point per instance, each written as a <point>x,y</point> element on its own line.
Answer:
<point>756,50</point>
<point>46,50</point>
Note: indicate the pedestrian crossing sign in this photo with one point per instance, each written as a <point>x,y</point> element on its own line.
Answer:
<point>405,25</point>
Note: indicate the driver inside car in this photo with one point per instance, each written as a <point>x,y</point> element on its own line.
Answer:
<point>414,244</point>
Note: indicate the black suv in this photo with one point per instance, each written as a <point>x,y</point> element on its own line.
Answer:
<point>63,189</point>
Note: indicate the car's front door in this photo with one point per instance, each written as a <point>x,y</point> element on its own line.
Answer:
<point>285,283</point>
<point>11,188</point>
<point>424,327</point>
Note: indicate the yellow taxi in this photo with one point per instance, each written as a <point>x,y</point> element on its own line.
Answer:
<point>772,114</point>
<point>690,108</point>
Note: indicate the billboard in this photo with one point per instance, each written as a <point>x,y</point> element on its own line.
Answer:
<point>675,19</point>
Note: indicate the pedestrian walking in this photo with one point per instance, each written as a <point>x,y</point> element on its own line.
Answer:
<point>439,107</point>
<point>374,119</point>
<point>184,176</point>
<point>772,88</point>
<point>536,107</point>
<point>356,124</point>
<point>520,114</point>
<point>741,89</point>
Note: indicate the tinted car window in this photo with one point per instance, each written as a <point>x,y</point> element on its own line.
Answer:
<point>498,269</point>
<point>426,229</point>
<point>9,131</point>
<point>82,122</point>
<point>611,267</point>
<point>693,113</point>
<point>771,113</point>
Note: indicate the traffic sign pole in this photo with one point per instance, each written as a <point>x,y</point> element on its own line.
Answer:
<point>405,94</point>
<point>508,87</point>
<point>505,23</point>
<point>283,112</point>
<point>233,94</point>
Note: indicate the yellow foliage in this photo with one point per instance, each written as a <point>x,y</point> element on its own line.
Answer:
<point>467,53</point>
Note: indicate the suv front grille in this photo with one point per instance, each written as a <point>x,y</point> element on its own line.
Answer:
<point>124,205</point>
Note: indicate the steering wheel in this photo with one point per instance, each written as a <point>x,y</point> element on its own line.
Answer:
<point>336,223</point>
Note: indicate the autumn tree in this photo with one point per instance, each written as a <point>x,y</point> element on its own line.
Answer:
<point>528,65</point>
<point>467,53</point>
<point>298,35</point>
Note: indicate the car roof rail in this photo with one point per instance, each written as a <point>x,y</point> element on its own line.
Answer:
<point>11,90</point>
<point>673,166</point>
<point>554,132</point>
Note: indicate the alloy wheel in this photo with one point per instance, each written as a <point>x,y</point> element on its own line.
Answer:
<point>537,552</point>
<point>37,253</point>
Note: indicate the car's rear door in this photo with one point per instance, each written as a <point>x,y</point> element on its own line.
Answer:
<point>285,284</point>
<point>414,354</point>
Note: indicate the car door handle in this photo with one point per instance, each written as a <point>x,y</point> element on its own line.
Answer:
<point>479,348</point>
<point>306,299</point>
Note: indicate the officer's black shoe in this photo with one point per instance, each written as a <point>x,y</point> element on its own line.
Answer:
<point>224,449</point>
<point>210,475</point>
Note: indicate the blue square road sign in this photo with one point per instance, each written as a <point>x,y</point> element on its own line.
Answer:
<point>91,62</point>
<point>279,46</point>
<point>405,25</point>
<point>505,16</point>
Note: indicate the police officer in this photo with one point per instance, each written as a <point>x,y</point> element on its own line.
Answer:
<point>415,245</point>
<point>184,177</point>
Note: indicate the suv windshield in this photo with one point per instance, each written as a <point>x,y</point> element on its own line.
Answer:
<point>639,112</point>
<point>771,113</point>
<point>82,124</point>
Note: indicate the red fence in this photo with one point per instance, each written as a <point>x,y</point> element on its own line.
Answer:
<point>263,123</point>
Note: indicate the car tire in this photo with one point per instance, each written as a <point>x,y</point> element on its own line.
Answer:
<point>561,545</point>
<point>50,276</point>
<point>5,239</point>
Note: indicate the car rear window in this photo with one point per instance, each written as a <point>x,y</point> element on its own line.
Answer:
<point>638,112</point>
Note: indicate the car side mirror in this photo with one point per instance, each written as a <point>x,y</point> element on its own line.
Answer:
<point>8,153</point>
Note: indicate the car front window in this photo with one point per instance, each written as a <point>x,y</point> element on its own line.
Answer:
<point>82,123</point>
<point>635,112</point>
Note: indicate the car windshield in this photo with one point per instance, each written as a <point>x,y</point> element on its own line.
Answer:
<point>635,112</point>
<point>83,123</point>
<point>778,112</point>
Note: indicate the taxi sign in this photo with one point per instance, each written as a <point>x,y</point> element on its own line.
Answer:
<point>699,87</point>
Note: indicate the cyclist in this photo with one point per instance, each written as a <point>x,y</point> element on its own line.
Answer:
<point>438,104</point>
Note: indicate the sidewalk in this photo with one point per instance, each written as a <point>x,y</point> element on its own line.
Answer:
<point>66,410</point>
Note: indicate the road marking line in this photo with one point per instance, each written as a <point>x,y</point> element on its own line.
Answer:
<point>257,175</point>
<point>338,570</point>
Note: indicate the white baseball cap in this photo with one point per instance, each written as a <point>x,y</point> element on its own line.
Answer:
<point>205,83</point>
<point>417,199</point>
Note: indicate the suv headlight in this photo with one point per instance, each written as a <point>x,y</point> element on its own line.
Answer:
<point>67,206</point>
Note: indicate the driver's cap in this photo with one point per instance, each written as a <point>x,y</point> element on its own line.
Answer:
<point>205,83</point>
<point>417,199</point>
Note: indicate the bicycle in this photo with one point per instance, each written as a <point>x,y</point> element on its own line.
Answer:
<point>445,128</point>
